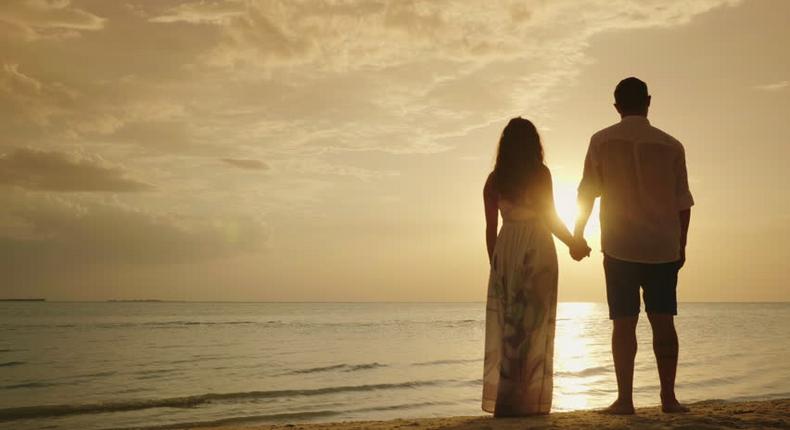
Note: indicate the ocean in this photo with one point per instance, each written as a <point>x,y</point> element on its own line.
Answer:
<point>159,365</point>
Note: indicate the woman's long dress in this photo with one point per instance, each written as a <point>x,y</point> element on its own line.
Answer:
<point>520,317</point>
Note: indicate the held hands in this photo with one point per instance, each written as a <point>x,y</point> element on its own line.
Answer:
<point>579,248</point>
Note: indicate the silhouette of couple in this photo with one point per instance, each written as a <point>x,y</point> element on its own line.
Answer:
<point>639,172</point>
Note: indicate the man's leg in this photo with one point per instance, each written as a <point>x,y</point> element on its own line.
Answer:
<point>622,295</point>
<point>624,353</point>
<point>665,347</point>
<point>660,294</point>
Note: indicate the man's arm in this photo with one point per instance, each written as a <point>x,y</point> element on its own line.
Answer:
<point>685,202</point>
<point>589,189</point>
<point>585,203</point>
<point>685,220</point>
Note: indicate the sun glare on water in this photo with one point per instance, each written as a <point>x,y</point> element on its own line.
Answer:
<point>573,357</point>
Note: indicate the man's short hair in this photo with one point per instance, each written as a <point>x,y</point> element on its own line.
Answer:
<point>631,93</point>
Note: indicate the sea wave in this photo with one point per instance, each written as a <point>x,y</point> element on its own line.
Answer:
<point>589,371</point>
<point>65,380</point>
<point>147,325</point>
<point>286,416</point>
<point>339,367</point>
<point>148,373</point>
<point>477,382</point>
<point>42,411</point>
<point>460,323</point>
<point>450,361</point>
<point>12,363</point>
<point>32,384</point>
<point>94,375</point>
<point>183,324</point>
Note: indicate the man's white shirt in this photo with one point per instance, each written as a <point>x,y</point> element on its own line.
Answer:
<point>640,174</point>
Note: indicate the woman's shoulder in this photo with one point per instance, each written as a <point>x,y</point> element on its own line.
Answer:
<point>542,181</point>
<point>488,188</point>
<point>543,174</point>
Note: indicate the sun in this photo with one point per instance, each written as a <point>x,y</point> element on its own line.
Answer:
<point>567,208</point>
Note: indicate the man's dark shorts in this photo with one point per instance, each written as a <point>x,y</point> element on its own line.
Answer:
<point>658,281</point>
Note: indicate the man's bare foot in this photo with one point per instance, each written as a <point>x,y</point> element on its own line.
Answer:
<point>673,408</point>
<point>619,408</point>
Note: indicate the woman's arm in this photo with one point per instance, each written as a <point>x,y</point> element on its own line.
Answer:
<point>491,202</point>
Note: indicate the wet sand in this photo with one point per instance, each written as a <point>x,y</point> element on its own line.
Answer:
<point>706,415</point>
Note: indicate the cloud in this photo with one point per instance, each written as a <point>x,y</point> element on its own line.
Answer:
<point>294,82</point>
<point>25,100</point>
<point>202,12</point>
<point>299,84</point>
<point>776,86</point>
<point>400,77</point>
<point>54,171</point>
<point>248,164</point>
<point>403,77</point>
<point>324,168</point>
<point>157,135</point>
<point>353,34</point>
<point>14,79</point>
<point>38,19</point>
<point>52,231</point>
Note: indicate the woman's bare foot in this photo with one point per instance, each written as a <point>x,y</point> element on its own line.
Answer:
<point>673,408</point>
<point>619,408</point>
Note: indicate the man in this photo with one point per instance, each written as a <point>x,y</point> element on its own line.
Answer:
<point>639,172</point>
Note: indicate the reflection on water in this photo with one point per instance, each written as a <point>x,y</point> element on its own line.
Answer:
<point>573,355</point>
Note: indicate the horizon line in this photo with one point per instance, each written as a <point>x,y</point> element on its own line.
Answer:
<point>23,300</point>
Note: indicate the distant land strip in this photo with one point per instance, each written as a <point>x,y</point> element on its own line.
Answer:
<point>23,300</point>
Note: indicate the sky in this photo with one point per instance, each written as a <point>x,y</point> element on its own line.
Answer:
<point>336,150</point>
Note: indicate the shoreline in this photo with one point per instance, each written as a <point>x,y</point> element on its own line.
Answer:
<point>704,415</point>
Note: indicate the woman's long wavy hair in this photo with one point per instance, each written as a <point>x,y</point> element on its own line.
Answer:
<point>519,159</point>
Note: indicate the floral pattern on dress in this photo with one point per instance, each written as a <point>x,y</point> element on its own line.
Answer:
<point>520,321</point>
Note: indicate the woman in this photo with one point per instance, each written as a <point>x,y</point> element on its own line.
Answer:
<point>522,288</point>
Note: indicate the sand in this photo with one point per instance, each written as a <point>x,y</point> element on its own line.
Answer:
<point>707,415</point>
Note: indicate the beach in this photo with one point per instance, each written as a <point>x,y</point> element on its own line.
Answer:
<point>705,415</point>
